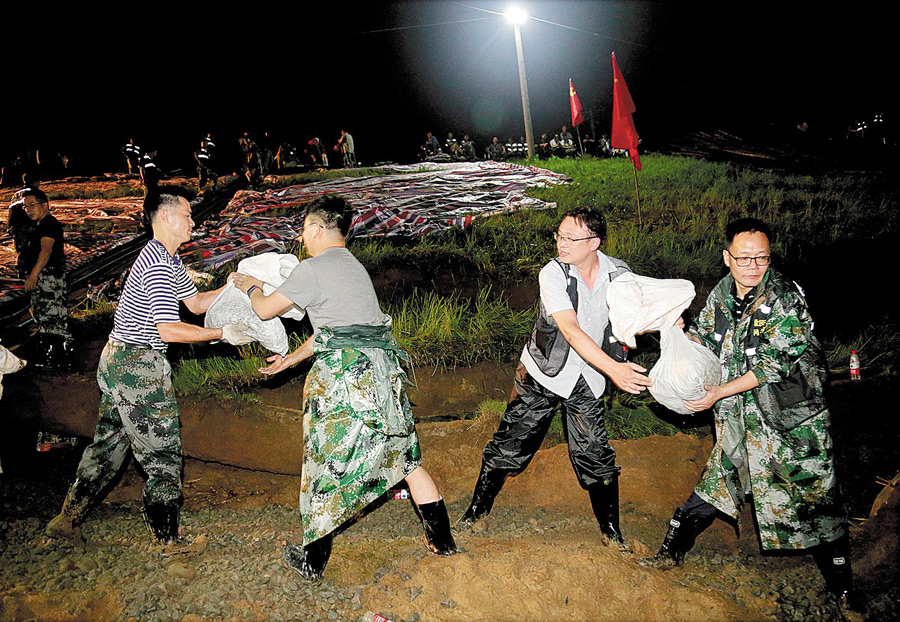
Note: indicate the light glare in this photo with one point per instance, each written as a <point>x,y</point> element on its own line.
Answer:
<point>516,15</point>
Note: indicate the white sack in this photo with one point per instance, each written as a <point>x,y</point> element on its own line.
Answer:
<point>9,363</point>
<point>232,306</point>
<point>684,370</point>
<point>640,304</point>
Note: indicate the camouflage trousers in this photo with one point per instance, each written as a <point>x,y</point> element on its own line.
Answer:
<point>137,411</point>
<point>358,435</point>
<point>50,304</point>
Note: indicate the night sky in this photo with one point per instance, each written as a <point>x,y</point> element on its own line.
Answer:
<point>86,80</point>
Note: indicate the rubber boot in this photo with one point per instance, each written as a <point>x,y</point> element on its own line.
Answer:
<point>489,483</point>
<point>605,503</point>
<point>679,540</point>
<point>46,351</point>
<point>434,518</point>
<point>163,522</point>
<point>75,508</point>
<point>309,561</point>
<point>833,560</point>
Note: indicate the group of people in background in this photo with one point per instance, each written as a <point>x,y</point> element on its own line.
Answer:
<point>561,144</point>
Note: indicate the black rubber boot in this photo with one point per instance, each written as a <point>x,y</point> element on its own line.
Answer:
<point>434,517</point>
<point>162,521</point>
<point>605,503</point>
<point>309,561</point>
<point>679,540</point>
<point>833,560</point>
<point>75,508</point>
<point>489,483</point>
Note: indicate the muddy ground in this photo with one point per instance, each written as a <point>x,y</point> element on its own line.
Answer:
<point>539,556</point>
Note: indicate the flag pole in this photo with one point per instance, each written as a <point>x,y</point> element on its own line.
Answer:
<point>637,194</point>
<point>580,147</point>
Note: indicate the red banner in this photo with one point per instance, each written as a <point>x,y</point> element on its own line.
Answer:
<point>575,103</point>
<point>624,134</point>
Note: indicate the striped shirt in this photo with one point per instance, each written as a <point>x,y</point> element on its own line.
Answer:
<point>156,283</point>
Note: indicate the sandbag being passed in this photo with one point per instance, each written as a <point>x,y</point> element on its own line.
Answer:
<point>684,370</point>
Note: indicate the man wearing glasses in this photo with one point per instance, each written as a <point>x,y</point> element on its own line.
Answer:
<point>771,420</point>
<point>564,363</point>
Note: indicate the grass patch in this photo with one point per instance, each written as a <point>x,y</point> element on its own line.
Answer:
<point>448,331</point>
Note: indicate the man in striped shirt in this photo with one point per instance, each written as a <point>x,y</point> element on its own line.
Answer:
<point>137,403</point>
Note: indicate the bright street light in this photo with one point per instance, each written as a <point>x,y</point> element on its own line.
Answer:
<point>517,16</point>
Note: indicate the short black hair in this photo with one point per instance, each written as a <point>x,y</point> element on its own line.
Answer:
<point>747,225</point>
<point>589,217</point>
<point>165,197</point>
<point>37,193</point>
<point>333,212</point>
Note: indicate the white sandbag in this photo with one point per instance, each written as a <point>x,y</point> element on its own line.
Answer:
<point>232,306</point>
<point>684,370</point>
<point>640,304</point>
<point>9,363</point>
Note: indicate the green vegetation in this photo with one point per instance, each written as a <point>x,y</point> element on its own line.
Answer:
<point>448,331</point>
<point>76,192</point>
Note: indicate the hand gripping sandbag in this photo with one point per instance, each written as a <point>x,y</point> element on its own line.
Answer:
<point>684,370</point>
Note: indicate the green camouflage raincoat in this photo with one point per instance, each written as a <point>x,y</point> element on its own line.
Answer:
<point>358,431</point>
<point>772,442</point>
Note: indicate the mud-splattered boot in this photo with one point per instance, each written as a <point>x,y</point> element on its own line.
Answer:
<point>434,518</point>
<point>309,561</point>
<point>605,503</point>
<point>679,540</point>
<point>163,523</point>
<point>489,483</point>
<point>75,508</point>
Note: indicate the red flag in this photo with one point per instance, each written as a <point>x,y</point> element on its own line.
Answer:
<point>624,135</point>
<point>577,119</point>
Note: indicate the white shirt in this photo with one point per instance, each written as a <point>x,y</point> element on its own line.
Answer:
<point>593,316</point>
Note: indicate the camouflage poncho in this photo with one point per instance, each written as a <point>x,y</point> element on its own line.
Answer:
<point>772,442</point>
<point>358,431</point>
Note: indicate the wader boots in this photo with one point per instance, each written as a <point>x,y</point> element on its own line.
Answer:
<point>605,503</point>
<point>489,483</point>
<point>75,508</point>
<point>683,531</point>
<point>434,518</point>
<point>309,561</point>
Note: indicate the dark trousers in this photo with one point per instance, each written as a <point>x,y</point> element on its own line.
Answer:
<point>527,419</point>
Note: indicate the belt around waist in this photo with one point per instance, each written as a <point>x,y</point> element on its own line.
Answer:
<point>122,344</point>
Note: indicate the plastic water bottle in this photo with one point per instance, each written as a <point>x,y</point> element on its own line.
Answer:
<point>854,365</point>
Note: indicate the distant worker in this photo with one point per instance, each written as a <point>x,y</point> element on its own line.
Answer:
<point>137,403</point>
<point>453,147</point>
<point>43,262</point>
<point>467,148</point>
<point>431,147</point>
<point>205,172</point>
<point>149,171</point>
<point>132,154</point>
<point>348,148</point>
<point>252,163</point>
<point>317,155</point>
<point>495,150</point>
<point>21,228</point>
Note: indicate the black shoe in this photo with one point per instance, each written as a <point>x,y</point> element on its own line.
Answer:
<point>309,562</point>
<point>437,527</point>
<point>605,503</point>
<point>679,540</point>
<point>489,483</point>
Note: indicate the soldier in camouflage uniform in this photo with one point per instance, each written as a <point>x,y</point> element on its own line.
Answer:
<point>772,424</point>
<point>44,264</point>
<point>138,410</point>
<point>358,432</point>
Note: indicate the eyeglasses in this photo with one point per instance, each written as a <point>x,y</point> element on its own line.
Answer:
<point>743,262</point>
<point>568,240</point>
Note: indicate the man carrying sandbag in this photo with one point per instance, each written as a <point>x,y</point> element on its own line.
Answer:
<point>563,363</point>
<point>771,420</point>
